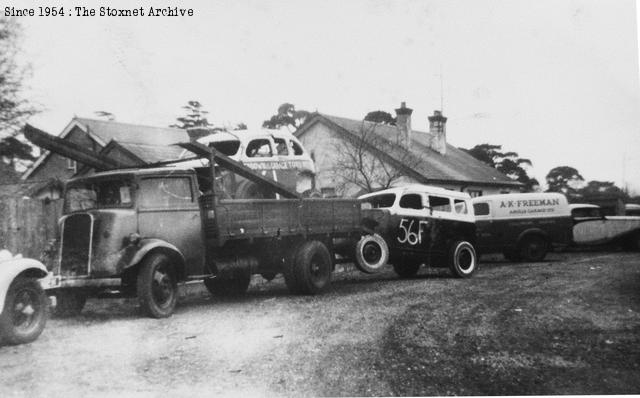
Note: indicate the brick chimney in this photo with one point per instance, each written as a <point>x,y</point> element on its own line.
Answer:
<point>403,122</point>
<point>438,130</point>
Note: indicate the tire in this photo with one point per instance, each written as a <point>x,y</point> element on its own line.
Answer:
<point>372,254</point>
<point>229,287</point>
<point>463,260</point>
<point>25,311</point>
<point>310,272</point>
<point>156,286</point>
<point>407,269</point>
<point>533,248</point>
<point>69,303</point>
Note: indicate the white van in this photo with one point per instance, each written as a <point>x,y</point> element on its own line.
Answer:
<point>522,226</point>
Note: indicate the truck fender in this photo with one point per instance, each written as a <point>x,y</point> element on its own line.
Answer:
<point>10,269</point>
<point>532,231</point>
<point>147,245</point>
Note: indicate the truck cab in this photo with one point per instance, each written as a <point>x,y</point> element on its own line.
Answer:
<point>112,220</point>
<point>422,224</point>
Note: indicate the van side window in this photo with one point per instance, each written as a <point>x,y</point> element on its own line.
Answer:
<point>380,201</point>
<point>411,201</point>
<point>460,206</point>
<point>165,192</point>
<point>281,146</point>
<point>438,203</point>
<point>260,148</point>
<point>481,208</point>
<point>297,149</point>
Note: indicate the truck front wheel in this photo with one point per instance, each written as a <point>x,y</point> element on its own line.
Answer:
<point>310,270</point>
<point>463,260</point>
<point>156,286</point>
<point>25,311</point>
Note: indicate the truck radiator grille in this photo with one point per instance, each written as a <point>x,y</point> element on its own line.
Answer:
<point>75,254</point>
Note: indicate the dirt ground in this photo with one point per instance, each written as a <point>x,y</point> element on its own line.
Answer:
<point>569,325</point>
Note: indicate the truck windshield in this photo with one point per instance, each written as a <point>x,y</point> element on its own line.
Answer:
<point>97,194</point>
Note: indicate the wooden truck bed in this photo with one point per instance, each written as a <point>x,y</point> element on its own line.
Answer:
<point>259,218</point>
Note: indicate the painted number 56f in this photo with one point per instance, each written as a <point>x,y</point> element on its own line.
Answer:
<point>407,233</point>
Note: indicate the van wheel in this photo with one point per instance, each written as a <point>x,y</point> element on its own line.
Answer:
<point>227,287</point>
<point>250,190</point>
<point>25,311</point>
<point>463,260</point>
<point>408,269</point>
<point>156,286</point>
<point>372,253</point>
<point>69,303</point>
<point>309,272</point>
<point>533,248</point>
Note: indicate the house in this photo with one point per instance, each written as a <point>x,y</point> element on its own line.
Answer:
<point>127,143</point>
<point>420,157</point>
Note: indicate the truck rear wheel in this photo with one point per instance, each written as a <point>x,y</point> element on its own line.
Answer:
<point>407,269</point>
<point>463,260</point>
<point>156,286</point>
<point>632,243</point>
<point>533,248</point>
<point>25,311</point>
<point>69,303</point>
<point>372,253</point>
<point>309,271</point>
<point>230,286</point>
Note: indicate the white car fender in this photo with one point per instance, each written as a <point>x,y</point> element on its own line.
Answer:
<point>11,268</point>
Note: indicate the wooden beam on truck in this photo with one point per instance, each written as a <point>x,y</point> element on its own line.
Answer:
<point>70,150</point>
<point>238,168</point>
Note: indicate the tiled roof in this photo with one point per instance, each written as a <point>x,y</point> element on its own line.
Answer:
<point>153,153</point>
<point>455,165</point>
<point>133,133</point>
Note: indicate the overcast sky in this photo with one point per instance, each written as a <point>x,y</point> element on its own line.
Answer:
<point>556,81</point>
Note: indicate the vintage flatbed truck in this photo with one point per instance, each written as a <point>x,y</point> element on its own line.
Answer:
<point>141,231</point>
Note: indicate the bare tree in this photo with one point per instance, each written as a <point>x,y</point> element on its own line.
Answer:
<point>371,161</point>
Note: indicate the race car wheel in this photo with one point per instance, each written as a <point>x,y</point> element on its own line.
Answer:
<point>25,311</point>
<point>372,253</point>
<point>157,286</point>
<point>463,260</point>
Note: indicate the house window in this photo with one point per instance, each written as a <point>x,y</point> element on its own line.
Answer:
<point>72,165</point>
<point>474,193</point>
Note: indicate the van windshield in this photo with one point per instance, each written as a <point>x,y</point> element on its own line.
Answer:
<point>88,195</point>
<point>228,148</point>
<point>381,201</point>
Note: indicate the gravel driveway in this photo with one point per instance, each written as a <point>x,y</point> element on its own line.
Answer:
<point>368,335</point>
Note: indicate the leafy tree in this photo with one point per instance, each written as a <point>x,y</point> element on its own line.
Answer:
<point>508,163</point>
<point>564,179</point>
<point>595,188</point>
<point>105,114</point>
<point>240,126</point>
<point>195,116</point>
<point>362,161</point>
<point>288,116</point>
<point>380,117</point>
<point>14,110</point>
